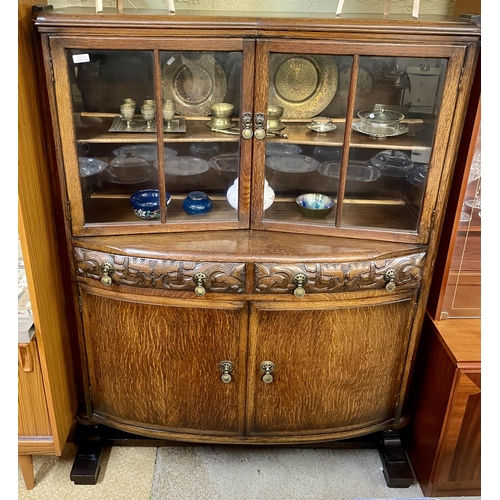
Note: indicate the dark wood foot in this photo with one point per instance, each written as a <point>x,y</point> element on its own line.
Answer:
<point>87,463</point>
<point>397,469</point>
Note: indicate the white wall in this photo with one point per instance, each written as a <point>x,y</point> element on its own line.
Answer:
<point>441,7</point>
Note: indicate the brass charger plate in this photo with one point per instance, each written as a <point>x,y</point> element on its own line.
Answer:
<point>303,85</point>
<point>194,81</point>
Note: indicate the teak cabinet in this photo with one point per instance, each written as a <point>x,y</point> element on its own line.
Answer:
<point>252,322</point>
<point>47,400</point>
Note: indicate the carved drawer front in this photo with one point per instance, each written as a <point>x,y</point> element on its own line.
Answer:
<point>327,277</point>
<point>221,277</point>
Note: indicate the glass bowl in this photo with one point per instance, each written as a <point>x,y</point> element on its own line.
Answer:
<point>146,203</point>
<point>148,152</point>
<point>90,166</point>
<point>392,163</point>
<point>315,205</point>
<point>380,120</point>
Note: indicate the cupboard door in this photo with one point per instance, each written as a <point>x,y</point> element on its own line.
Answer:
<point>337,366</point>
<point>155,364</point>
<point>360,142</point>
<point>151,124</point>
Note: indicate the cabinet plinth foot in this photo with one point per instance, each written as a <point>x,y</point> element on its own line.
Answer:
<point>87,463</point>
<point>395,463</point>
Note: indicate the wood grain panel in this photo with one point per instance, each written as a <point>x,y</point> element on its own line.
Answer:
<point>32,412</point>
<point>158,366</point>
<point>336,369</point>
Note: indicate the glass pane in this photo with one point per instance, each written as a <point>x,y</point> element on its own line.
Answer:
<point>118,154</point>
<point>386,171</point>
<point>303,88</point>
<point>116,151</point>
<point>463,291</point>
<point>203,90</point>
<point>396,105</point>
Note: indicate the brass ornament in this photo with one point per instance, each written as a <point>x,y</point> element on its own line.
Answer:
<point>303,85</point>
<point>194,81</point>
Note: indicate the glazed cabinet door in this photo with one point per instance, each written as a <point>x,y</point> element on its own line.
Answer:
<point>151,124</point>
<point>336,369</point>
<point>157,364</point>
<point>357,136</point>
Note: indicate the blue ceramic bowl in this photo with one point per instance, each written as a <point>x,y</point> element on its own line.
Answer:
<point>315,205</point>
<point>197,202</point>
<point>146,203</point>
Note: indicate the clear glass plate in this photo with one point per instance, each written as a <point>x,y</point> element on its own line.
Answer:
<point>186,165</point>
<point>279,148</point>
<point>358,172</point>
<point>292,163</point>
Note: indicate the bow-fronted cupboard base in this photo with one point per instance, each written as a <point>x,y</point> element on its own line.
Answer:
<point>254,317</point>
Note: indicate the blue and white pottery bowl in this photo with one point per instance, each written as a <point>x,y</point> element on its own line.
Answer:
<point>315,205</point>
<point>146,203</point>
<point>197,202</point>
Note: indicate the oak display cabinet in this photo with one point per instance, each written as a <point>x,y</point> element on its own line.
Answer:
<point>251,323</point>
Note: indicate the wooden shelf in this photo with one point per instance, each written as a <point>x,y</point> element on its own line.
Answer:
<point>94,128</point>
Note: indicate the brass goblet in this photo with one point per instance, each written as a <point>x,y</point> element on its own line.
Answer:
<point>127,111</point>
<point>148,113</point>
<point>168,112</point>
<point>129,100</point>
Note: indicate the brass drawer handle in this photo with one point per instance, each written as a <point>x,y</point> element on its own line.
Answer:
<point>299,280</point>
<point>267,367</point>
<point>226,367</point>
<point>200,279</point>
<point>107,270</point>
<point>390,276</point>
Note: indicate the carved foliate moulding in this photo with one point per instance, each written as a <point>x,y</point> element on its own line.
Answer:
<point>222,277</point>
<point>339,277</point>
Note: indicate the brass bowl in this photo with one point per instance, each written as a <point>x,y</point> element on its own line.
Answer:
<point>221,116</point>
<point>274,114</point>
<point>222,110</point>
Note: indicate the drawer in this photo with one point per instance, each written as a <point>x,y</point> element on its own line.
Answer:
<point>328,277</point>
<point>175,275</point>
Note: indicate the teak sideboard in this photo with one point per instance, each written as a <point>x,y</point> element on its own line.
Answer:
<point>252,323</point>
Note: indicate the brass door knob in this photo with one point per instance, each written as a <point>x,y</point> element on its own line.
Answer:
<point>299,280</point>
<point>107,270</point>
<point>267,367</point>
<point>226,367</point>
<point>200,279</point>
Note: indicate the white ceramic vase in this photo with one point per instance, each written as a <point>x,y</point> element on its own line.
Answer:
<point>232,195</point>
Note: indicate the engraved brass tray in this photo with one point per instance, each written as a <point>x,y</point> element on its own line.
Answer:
<point>194,81</point>
<point>303,85</point>
<point>139,125</point>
